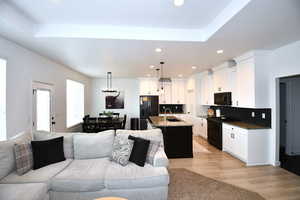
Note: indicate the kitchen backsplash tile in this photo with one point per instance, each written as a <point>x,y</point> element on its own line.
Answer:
<point>245,114</point>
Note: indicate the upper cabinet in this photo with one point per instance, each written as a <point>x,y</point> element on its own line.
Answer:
<point>148,86</point>
<point>245,79</point>
<point>173,92</point>
<point>165,96</point>
<point>245,84</point>
<point>251,73</point>
<point>178,91</point>
<point>206,88</point>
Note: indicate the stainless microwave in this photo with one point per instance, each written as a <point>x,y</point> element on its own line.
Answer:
<point>223,99</point>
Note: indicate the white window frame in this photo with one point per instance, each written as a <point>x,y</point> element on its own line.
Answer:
<point>77,119</point>
<point>3,86</point>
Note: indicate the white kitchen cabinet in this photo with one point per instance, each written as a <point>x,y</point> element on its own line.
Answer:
<point>148,86</point>
<point>249,145</point>
<point>245,84</point>
<point>251,72</point>
<point>178,91</point>
<point>203,128</point>
<point>221,80</point>
<point>165,96</point>
<point>206,89</point>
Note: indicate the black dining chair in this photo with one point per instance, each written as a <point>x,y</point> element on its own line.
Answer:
<point>116,115</point>
<point>124,122</point>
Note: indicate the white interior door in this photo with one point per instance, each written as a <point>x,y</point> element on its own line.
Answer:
<point>43,116</point>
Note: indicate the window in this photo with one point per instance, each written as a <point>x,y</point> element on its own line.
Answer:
<point>75,103</point>
<point>3,100</point>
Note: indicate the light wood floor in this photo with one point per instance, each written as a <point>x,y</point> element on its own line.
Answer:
<point>271,182</point>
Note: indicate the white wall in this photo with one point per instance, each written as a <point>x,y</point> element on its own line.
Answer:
<point>24,67</point>
<point>284,61</point>
<point>131,100</point>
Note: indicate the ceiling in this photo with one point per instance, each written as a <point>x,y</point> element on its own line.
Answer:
<point>121,36</point>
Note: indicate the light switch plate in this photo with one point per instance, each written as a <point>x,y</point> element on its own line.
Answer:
<point>253,114</point>
<point>263,116</point>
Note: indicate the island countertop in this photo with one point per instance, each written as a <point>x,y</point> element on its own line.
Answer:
<point>159,121</point>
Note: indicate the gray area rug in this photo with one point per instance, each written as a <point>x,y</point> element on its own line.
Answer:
<point>187,185</point>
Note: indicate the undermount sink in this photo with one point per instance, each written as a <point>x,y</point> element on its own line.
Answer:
<point>173,119</point>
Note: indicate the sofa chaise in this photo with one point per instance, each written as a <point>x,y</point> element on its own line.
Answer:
<point>79,178</point>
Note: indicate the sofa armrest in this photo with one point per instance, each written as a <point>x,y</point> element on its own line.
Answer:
<point>160,158</point>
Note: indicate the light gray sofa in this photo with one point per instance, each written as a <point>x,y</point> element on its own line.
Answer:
<point>84,179</point>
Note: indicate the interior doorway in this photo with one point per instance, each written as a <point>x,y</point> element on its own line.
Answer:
<point>289,152</point>
<point>43,117</point>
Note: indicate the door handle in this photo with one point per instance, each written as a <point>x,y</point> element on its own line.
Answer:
<point>53,123</point>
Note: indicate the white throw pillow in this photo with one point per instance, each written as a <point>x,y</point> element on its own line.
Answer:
<point>90,146</point>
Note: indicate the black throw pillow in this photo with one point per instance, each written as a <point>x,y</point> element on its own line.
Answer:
<point>139,151</point>
<point>47,152</point>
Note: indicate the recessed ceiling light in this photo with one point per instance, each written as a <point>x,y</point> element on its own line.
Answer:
<point>180,75</point>
<point>158,50</point>
<point>220,51</point>
<point>194,67</point>
<point>178,3</point>
<point>151,66</point>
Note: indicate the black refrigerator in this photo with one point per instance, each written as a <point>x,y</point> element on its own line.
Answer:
<point>149,106</point>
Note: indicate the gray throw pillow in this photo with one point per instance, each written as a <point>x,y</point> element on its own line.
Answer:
<point>122,148</point>
<point>153,148</point>
<point>24,158</point>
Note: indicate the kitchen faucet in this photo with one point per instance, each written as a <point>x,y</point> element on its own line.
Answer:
<point>167,109</point>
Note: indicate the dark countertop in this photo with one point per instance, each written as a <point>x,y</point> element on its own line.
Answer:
<point>245,125</point>
<point>203,116</point>
<point>240,124</point>
<point>159,121</point>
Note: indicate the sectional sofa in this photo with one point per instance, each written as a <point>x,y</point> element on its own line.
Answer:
<point>84,179</point>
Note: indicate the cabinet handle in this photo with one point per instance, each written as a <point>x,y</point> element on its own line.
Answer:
<point>232,135</point>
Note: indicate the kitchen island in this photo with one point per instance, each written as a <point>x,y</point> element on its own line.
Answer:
<point>178,136</point>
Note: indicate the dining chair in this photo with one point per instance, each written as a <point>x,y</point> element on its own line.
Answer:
<point>124,122</point>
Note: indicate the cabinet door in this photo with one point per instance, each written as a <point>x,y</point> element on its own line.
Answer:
<point>204,128</point>
<point>241,143</point>
<point>144,85</point>
<point>233,86</point>
<point>206,90</point>
<point>153,86</point>
<point>165,96</point>
<point>246,84</point>
<point>227,140</point>
<point>178,92</point>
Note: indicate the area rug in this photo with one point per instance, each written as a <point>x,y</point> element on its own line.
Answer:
<point>187,185</point>
<point>198,148</point>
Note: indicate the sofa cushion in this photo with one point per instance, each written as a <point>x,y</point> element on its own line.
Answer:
<point>41,175</point>
<point>47,152</point>
<point>160,158</point>
<point>122,148</point>
<point>7,156</point>
<point>101,143</point>
<point>68,140</point>
<point>153,134</point>
<point>30,191</point>
<point>24,158</point>
<point>133,176</point>
<point>139,150</point>
<point>81,176</point>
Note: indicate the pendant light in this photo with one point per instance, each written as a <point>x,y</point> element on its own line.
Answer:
<point>109,88</point>
<point>178,3</point>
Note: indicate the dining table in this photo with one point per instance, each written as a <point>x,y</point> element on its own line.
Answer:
<point>102,123</point>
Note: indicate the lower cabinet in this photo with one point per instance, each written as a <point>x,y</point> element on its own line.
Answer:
<point>250,146</point>
<point>199,124</point>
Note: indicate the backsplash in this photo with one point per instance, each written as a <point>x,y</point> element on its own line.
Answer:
<point>175,108</point>
<point>245,114</point>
